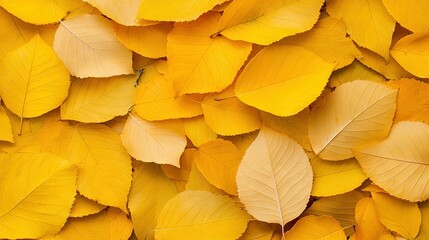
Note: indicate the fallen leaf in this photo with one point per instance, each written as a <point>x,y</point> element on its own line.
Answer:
<point>368,225</point>
<point>410,15</point>
<point>83,206</point>
<point>315,228</point>
<point>197,130</point>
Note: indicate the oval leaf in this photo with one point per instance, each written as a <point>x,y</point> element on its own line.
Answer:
<point>410,14</point>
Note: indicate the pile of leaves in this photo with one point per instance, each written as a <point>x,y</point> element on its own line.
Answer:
<point>214,119</point>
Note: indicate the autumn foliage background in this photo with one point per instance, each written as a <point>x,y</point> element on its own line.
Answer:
<point>214,119</point>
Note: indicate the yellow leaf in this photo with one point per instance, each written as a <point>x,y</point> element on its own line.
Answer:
<point>197,130</point>
<point>104,172</point>
<point>33,79</point>
<point>13,32</point>
<point>399,164</point>
<point>357,112</point>
<point>274,178</point>
<point>99,100</point>
<point>315,228</point>
<point>140,62</point>
<point>186,162</point>
<point>368,225</point>
<point>416,109</point>
<point>410,14</point>
<point>159,142</point>
<point>218,161</point>
<point>398,215</point>
<point>175,10</point>
<point>265,22</point>
<point>424,228</point>
<point>5,127</point>
<point>150,191</point>
<point>199,62</point>
<point>373,188</point>
<point>341,207</point>
<point>412,52</point>
<point>295,126</point>
<point>282,80</point>
<point>354,71</point>
<point>258,231</point>
<point>368,23</point>
<point>121,11</point>
<point>106,225</point>
<point>196,214</point>
<point>332,178</point>
<point>243,141</point>
<point>219,108</point>
<point>328,40</point>
<point>88,46</point>
<point>197,181</point>
<point>83,206</point>
<point>39,11</point>
<point>37,192</point>
<point>149,41</point>
<point>155,97</point>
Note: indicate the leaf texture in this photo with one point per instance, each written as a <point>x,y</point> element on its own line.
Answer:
<point>316,228</point>
<point>368,225</point>
<point>410,14</point>
<point>122,12</point>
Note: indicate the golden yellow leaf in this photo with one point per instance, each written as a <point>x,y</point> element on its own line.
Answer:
<point>415,109</point>
<point>328,40</point>
<point>5,127</point>
<point>160,142</point>
<point>197,130</point>
<point>258,231</point>
<point>368,225</point>
<point>121,11</point>
<point>295,126</point>
<point>282,80</point>
<point>354,71</point>
<point>333,178</point>
<point>148,41</point>
<point>243,141</point>
<point>219,108</point>
<point>398,215</point>
<point>150,191</point>
<point>175,10</point>
<point>155,97</point>
<point>274,178</point>
<point>140,62</point>
<point>186,162</point>
<point>218,161</point>
<point>373,188</point>
<point>13,32</point>
<point>399,164</point>
<point>368,23</point>
<point>37,192</point>
<point>357,112</point>
<point>33,79</point>
<point>193,214</point>
<point>83,206</point>
<point>199,62</point>
<point>104,167</point>
<point>88,46</point>
<point>265,22</point>
<point>39,11</point>
<point>197,181</point>
<point>410,14</point>
<point>106,225</point>
<point>316,228</point>
<point>424,228</point>
<point>412,52</point>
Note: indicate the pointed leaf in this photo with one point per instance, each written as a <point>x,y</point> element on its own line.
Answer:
<point>197,130</point>
<point>88,46</point>
<point>368,225</point>
<point>357,112</point>
<point>316,228</point>
<point>186,162</point>
<point>197,181</point>
<point>83,206</point>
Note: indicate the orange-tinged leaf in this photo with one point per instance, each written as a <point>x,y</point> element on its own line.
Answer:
<point>37,192</point>
<point>399,164</point>
<point>410,14</point>
<point>160,142</point>
<point>424,228</point>
<point>88,46</point>
<point>368,225</point>
<point>186,162</point>
<point>197,130</point>
<point>357,112</point>
<point>148,41</point>
<point>175,10</point>
<point>282,80</point>
<point>412,52</point>
<point>200,63</point>
<point>415,109</point>
<point>258,231</point>
<point>265,22</point>
<point>218,161</point>
<point>5,127</point>
<point>197,181</point>
<point>33,79</point>
<point>99,100</point>
<point>398,215</point>
<point>83,206</point>
<point>274,178</point>
<point>354,71</point>
<point>155,97</point>
<point>316,228</point>
<point>121,11</point>
<point>368,23</point>
<point>192,214</point>
<point>219,108</point>
<point>150,191</point>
